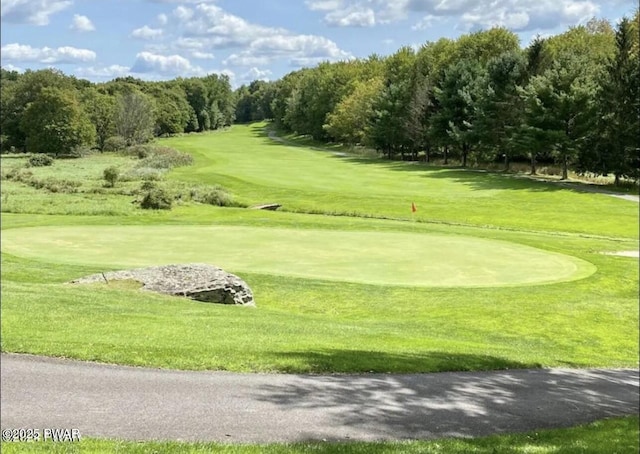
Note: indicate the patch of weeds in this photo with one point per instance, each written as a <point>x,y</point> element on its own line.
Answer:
<point>143,173</point>
<point>40,160</point>
<point>165,158</point>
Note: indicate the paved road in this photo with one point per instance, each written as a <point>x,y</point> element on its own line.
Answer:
<point>145,404</point>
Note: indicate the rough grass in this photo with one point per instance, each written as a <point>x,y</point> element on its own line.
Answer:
<point>614,436</point>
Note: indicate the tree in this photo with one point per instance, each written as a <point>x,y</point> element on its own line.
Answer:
<point>564,98</point>
<point>17,93</point>
<point>101,109</point>
<point>456,99</point>
<point>55,123</point>
<point>499,109</point>
<point>348,121</point>
<point>618,138</point>
<point>134,119</point>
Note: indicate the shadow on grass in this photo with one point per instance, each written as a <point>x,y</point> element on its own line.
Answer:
<point>477,179</point>
<point>423,406</point>
<point>362,361</point>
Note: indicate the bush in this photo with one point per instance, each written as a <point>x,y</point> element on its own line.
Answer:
<point>156,199</point>
<point>143,173</point>
<point>140,151</point>
<point>114,143</point>
<point>165,158</point>
<point>40,160</point>
<point>148,186</point>
<point>217,197</point>
<point>111,175</point>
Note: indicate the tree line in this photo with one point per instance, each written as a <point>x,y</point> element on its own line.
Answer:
<point>571,98</point>
<point>49,112</point>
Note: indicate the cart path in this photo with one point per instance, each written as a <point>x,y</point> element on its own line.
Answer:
<point>108,401</point>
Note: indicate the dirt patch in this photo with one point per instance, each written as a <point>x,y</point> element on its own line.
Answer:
<point>635,254</point>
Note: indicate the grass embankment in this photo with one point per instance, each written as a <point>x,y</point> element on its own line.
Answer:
<point>614,436</point>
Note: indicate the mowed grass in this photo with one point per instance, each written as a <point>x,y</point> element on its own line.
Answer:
<point>369,257</point>
<point>316,322</point>
<point>258,170</point>
<point>614,436</point>
<point>312,325</point>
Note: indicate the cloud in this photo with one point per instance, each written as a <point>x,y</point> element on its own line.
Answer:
<point>208,26</point>
<point>519,15</point>
<point>202,55</point>
<point>351,17</point>
<point>82,24</point>
<point>146,32</point>
<point>256,74</point>
<point>35,12</point>
<point>102,72</point>
<point>172,65</point>
<point>47,55</point>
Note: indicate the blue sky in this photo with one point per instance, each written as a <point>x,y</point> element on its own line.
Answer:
<point>261,39</point>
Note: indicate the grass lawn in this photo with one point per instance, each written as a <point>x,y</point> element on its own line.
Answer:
<point>492,272</point>
<point>613,436</point>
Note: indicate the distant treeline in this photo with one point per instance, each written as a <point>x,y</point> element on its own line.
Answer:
<point>572,98</point>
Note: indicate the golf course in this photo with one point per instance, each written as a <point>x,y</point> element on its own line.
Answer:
<point>491,271</point>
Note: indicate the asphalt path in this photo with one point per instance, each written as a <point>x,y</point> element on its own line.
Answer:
<point>108,401</point>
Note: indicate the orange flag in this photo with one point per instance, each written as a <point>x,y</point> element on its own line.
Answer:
<point>413,207</point>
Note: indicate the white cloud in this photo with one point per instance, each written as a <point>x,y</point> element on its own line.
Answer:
<point>103,72</point>
<point>519,15</point>
<point>256,74</point>
<point>11,67</point>
<point>172,65</point>
<point>26,53</point>
<point>351,17</point>
<point>208,27</point>
<point>82,24</point>
<point>35,12</point>
<point>146,32</point>
<point>425,23</point>
<point>202,55</point>
<point>162,19</point>
<point>324,5</point>
<point>246,59</point>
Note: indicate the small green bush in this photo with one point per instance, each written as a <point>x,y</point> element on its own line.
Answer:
<point>147,185</point>
<point>114,143</point>
<point>40,160</point>
<point>217,197</point>
<point>140,151</point>
<point>111,175</point>
<point>156,199</point>
<point>18,174</point>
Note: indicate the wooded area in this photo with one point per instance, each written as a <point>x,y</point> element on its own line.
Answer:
<point>571,98</point>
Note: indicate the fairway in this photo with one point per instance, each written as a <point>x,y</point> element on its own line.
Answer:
<point>366,257</point>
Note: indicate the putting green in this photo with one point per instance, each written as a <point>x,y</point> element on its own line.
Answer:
<point>364,257</point>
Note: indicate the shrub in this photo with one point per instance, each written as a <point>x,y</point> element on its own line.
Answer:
<point>148,186</point>
<point>114,143</point>
<point>40,160</point>
<point>216,197</point>
<point>111,175</point>
<point>80,152</point>
<point>156,199</point>
<point>140,151</point>
<point>165,158</point>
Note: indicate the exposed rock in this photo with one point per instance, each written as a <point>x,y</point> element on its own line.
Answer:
<point>197,281</point>
<point>268,206</point>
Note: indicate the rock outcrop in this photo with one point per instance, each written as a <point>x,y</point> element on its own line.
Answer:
<point>196,281</point>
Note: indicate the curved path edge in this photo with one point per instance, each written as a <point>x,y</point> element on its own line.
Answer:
<point>108,401</point>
